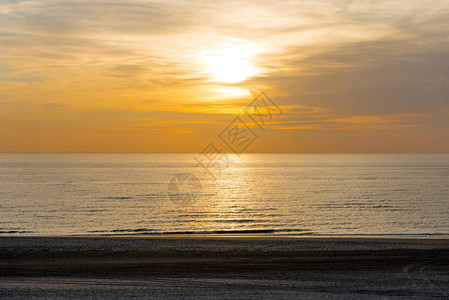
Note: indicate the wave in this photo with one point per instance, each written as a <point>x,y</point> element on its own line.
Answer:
<point>381,234</point>
<point>122,230</point>
<point>269,232</point>
<point>146,231</point>
<point>14,231</point>
<point>260,232</point>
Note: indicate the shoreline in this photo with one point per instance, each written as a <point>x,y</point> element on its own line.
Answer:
<point>392,238</point>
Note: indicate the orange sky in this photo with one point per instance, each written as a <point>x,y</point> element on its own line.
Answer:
<point>169,76</point>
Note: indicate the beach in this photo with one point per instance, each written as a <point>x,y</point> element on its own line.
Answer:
<point>223,267</point>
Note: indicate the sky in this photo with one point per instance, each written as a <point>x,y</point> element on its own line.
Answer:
<point>170,76</point>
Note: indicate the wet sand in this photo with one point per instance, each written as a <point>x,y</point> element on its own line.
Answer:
<point>223,267</point>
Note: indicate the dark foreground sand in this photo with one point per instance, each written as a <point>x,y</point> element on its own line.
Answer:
<point>223,267</point>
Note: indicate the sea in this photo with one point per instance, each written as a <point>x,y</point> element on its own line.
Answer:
<point>64,194</point>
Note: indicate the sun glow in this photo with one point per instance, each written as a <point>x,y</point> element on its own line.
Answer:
<point>230,65</point>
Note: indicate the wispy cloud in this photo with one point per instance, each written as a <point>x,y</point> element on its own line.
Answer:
<point>105,65</point>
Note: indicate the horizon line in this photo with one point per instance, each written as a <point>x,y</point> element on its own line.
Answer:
<point>193,152</point>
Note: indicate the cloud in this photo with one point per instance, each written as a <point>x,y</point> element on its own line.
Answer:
<point>358,65</point>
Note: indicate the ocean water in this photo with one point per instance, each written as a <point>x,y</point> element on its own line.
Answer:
<point>268,194</point>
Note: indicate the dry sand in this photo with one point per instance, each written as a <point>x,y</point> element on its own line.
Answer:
<point>223,267</point>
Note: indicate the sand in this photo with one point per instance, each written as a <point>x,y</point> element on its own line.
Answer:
<point>223,267</point>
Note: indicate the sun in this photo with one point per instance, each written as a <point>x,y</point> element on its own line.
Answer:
<point>230,70</point>
<point>230,65</point>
